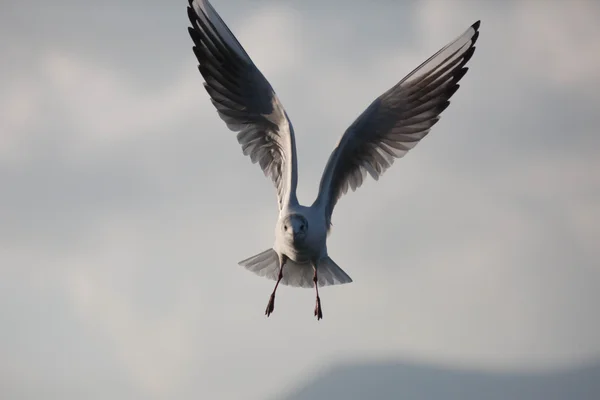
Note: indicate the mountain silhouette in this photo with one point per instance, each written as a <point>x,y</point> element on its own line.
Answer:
<point>403,381</point>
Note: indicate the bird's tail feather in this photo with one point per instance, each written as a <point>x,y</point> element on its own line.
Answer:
<point>266,264</point>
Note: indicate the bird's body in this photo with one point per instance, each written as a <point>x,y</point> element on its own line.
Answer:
<point>301,233</point>
<point>392,125</point>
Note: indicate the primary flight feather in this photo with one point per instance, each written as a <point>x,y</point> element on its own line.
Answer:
<point>392,125</point>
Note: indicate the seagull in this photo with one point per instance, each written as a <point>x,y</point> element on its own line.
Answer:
<point>389,127</point>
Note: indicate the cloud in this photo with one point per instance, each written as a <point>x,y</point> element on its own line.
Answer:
<point>104,108</point>
<point>281,51</point>
<point>127,203</point>
<point>17,115</point>
<point>561,40</point>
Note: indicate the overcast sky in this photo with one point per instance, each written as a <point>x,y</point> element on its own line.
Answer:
<point>126,203</point>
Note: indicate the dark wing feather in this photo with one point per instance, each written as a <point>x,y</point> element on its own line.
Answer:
<point>244,99</point>
<point>396,121</point>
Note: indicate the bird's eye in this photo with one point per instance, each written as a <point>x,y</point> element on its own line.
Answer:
<point>285,227</point>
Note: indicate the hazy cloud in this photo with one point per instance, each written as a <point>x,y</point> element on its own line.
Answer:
<point>127,203</point>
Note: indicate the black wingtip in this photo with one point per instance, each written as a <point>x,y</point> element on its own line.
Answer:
<point>459,74</point>
<point>453,89</point>
<point>476,25</point>
<point>192,15</point>
<point>467,56</point>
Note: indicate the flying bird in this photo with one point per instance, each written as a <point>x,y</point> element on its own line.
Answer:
<point>392,125</point>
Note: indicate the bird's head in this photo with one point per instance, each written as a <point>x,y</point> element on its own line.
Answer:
<point>295,227</point>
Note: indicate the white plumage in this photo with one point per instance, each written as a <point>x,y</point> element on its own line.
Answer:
<point>392,125</point>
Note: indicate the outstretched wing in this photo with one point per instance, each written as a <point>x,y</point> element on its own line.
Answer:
<point>396,121</point>
<point>244,99</point>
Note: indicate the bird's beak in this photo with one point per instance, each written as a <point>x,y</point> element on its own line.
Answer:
<point>298,236</point>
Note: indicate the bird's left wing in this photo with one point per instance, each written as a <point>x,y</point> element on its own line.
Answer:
<point>396,121</point>
<point>244,99</point>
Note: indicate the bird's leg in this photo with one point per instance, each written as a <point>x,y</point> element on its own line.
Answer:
<point>318,311</point>
<point>271,305</point>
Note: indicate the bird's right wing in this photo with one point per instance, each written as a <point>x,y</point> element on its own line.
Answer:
<point>396,121</point>
<point>244,99</point>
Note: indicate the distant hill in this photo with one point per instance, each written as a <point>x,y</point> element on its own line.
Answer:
<point>398,381</point>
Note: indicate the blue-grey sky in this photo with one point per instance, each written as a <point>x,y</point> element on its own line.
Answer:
<point>126,203</point>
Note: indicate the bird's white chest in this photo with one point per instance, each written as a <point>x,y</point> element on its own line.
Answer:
<point>313,246</point>
<point>310,248</point>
